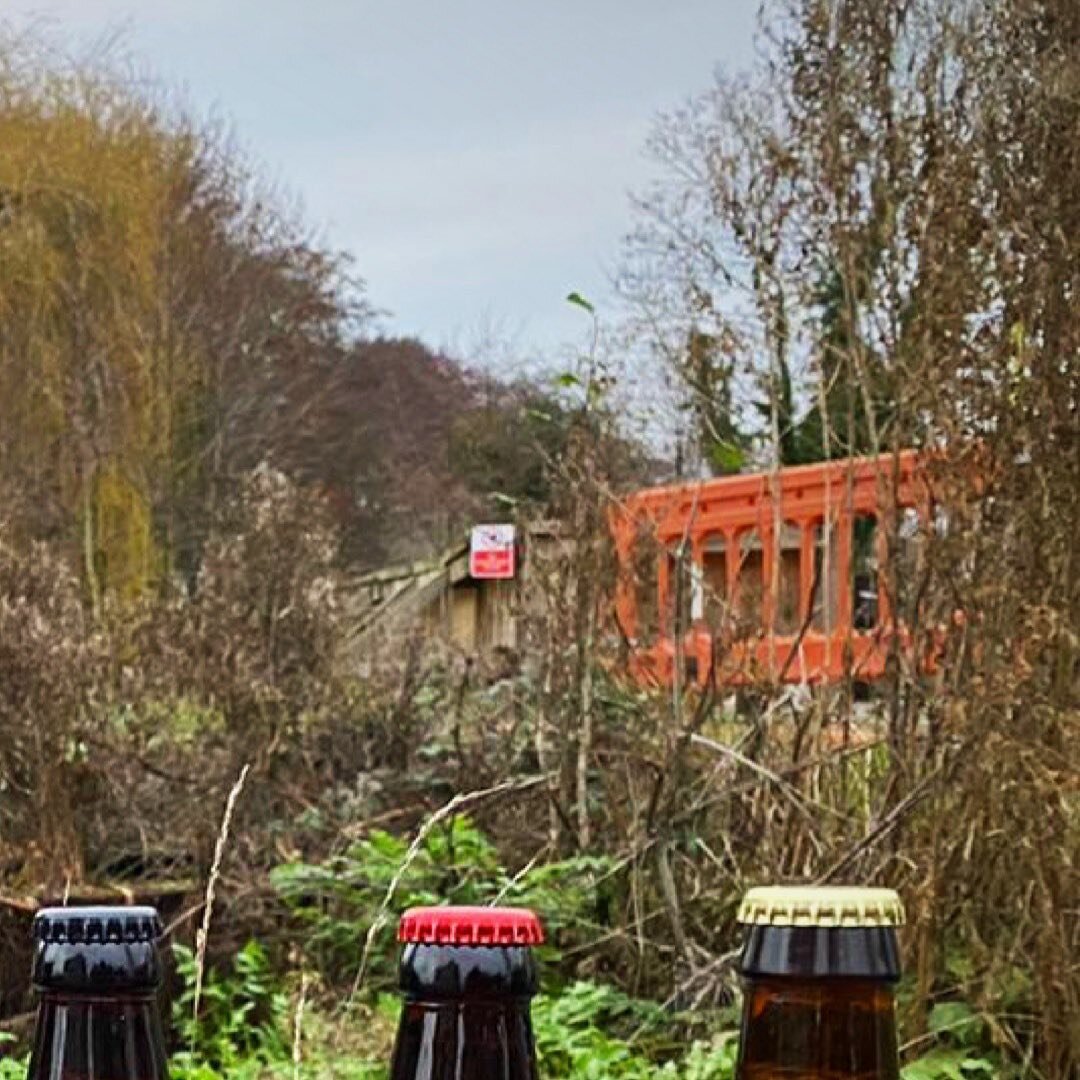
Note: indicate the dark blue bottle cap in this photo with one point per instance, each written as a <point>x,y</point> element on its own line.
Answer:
<point>97,949</point>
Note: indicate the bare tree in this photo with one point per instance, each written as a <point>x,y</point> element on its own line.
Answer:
<point>880,227</point>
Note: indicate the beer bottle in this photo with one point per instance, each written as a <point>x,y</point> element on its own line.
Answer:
<point>819,967</point>
<point>467,976</point>
<point>97,971</point>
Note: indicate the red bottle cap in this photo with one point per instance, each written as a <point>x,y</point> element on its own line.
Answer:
<point>470,926</point>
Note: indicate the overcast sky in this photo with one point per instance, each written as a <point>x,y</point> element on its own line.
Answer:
<point>474,156</point>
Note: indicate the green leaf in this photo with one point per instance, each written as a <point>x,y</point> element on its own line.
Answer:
<point>945,1064</point>
<point>951,1016</point>
<point>726,458</point>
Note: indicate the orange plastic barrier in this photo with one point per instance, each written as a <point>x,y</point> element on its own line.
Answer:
<point>772,577</point>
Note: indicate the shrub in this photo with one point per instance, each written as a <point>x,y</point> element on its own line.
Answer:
<point>242,1013</point>
<point>337,900</point>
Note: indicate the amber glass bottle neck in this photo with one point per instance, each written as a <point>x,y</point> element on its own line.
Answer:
<point>819,1003</point>
<point>88,1036</point>
<point>808,1028</point>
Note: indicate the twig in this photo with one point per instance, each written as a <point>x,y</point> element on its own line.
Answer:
<point>448,810</point>
<point>28,904</point>
<point>702,976</point>
<point>298,1027</point>
<point>203,933</point>
<point>522,873</point>
<point>888,823</point>
<point>755,767</point>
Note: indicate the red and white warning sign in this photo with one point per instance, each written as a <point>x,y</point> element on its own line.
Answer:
<point>491,552</point>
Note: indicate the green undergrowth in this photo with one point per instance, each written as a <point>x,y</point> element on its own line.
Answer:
<point>296,1007</point>
<point>335,902</point>
<point>248,1021</point>
<point>585,1028</point>
<point>584,1031</point>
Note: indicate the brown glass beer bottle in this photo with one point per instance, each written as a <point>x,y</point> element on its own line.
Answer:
<point>467,976</point>
<point>97,971</point>
<point>819,967</point>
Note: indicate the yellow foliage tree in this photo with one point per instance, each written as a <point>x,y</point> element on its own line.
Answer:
<point>155,310</point>
<point>85,174</point>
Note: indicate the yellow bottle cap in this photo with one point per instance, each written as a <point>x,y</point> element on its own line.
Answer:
<point>817,905</point>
